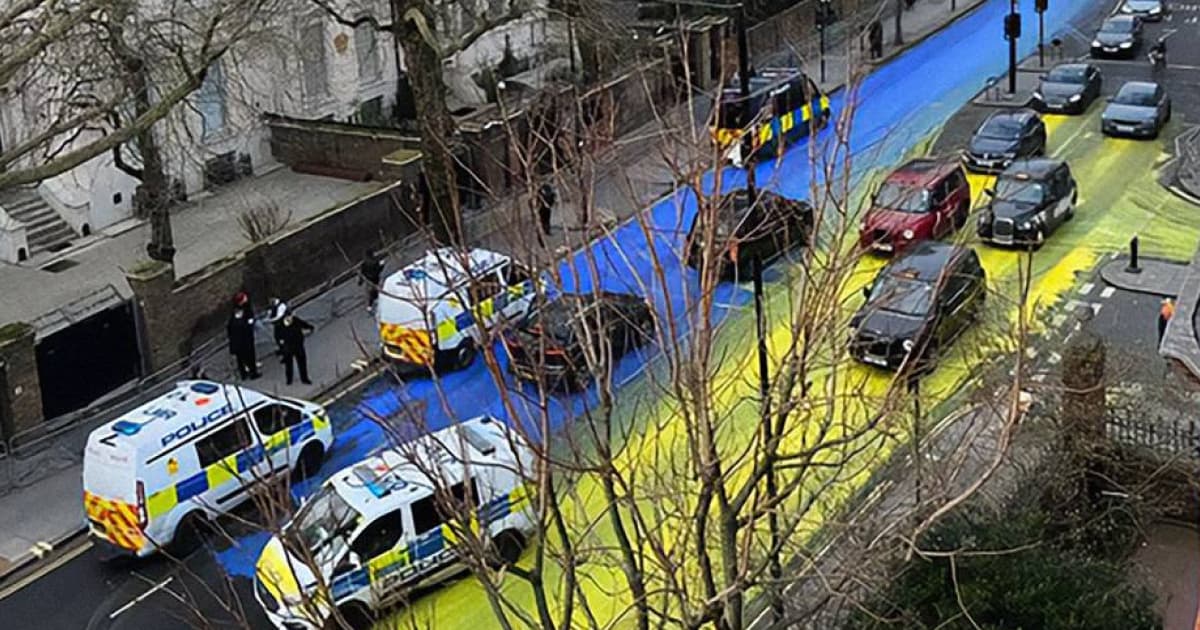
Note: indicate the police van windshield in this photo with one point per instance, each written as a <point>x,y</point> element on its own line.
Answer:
<point>323,524</point>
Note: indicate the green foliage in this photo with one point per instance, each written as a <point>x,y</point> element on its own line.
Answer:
<point>1012,571</point>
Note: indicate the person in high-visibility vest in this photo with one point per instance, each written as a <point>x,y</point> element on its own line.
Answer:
<point>1165,313</point>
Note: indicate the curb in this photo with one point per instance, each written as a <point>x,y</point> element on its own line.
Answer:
<point>1181,161</point>
<point>1113,273</point>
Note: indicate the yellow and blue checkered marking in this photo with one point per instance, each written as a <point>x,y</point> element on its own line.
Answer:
<point>466,318</point>
<point>230,468</point>
<point>408,560</point>
<point>792,122</point>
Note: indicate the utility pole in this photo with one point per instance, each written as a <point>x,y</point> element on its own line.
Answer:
<point>1012,31</point>
<point>823,13</point>
<point>1040,6</point>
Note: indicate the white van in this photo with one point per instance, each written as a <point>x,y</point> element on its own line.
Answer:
<point>157,474</point>
<point>374,531</point>
<point>428,311</point>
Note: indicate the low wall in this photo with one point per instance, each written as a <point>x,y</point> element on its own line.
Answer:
<point>351,149</point>
<point>177,315</point>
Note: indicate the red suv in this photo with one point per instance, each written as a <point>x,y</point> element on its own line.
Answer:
<point>924,199</point>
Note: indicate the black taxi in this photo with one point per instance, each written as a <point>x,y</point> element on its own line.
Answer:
<point>917,305</point>
<point>1030,200</point>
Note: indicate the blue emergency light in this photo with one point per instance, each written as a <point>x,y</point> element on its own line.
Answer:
<point>125,427</point>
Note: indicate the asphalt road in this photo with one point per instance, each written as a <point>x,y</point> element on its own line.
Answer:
<point>897,111</point>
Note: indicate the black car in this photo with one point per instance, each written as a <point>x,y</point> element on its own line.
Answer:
<point>745,230</point>
<point>1139,109</point>
<point>552,343</point>
<point>1119,36</point>
<point>1004,137</point>
<point>1031,199</point>
<point>1068,88</point>
<point>917,305</point>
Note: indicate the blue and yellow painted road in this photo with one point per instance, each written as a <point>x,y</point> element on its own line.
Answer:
<point>899,106</point>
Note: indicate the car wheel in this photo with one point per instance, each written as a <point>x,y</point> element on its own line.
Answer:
<point>1039,238</point>
<point>189,534</point>
<point>464,354</point>
<point>508,547</point>
<point>354,615</point>
<point>309,462</point>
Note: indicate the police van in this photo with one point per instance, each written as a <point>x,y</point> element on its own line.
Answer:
<point>156,475</point>
<point>428,312</point>
<point>375,530</point>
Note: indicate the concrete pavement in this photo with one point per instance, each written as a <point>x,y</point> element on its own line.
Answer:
<point>339,318</point>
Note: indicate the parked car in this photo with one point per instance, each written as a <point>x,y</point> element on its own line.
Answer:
<point>1069,88</point>
<point>1031,199</point>
<point>765,228</point>
<point>1003,137</point>
<point>1149,10</point>
<point>1139,109</point>
<point>917,305</point>
<point>923,199</point>
<point>551,344</point>
<point>1119,36</point>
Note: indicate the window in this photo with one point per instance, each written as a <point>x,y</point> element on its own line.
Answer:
<point>312,60</point>
<point>274,418</point>
<point>210,101</point>
<point>367,51</point>
<point>379,536</point>
<point>223,443</point>
<point>515,274</point>
<point>426,515</point>
<point>459,492</point>
<point>485,286</point>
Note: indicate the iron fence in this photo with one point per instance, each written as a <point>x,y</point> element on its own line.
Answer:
<point>1170,438</point>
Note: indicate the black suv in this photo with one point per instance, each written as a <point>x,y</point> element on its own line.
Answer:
<point>1031,199</point>
<point>548,345</point>
<point>1004,137</point>
<point>745,230</point>
<point>917,305</point>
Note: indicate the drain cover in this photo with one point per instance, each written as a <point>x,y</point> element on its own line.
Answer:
<point>60,265</point>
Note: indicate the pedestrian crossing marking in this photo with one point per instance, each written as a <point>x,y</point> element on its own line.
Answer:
<point>1108,292</point>
<point>1087,288</point>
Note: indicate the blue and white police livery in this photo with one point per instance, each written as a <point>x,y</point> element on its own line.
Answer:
<point>191,455</point>
<point>378,529</point>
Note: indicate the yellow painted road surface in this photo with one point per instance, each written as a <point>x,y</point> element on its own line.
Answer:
<point>1118,196</point>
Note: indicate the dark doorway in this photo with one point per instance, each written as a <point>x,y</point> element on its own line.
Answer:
<point>87,359</point>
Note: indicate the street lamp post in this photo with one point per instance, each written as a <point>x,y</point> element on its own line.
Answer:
<point>1012,31</point>
<point>1040,6</point>
<point>822,18</point>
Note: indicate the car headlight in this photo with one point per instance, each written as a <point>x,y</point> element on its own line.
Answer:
<point>1028,225</point>
<point>1096,43</point>
<point>1075,98</point>
<point>907,234</point>
<point>907,344</point>
<point>1037,94</point>
<point>1155,10</point>
<point>862,225</point>
<point>1126,44</point>
<point>1125,8</point>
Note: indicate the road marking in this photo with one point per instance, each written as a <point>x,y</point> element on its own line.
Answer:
<point>41,548</point>
<point>45,569</point>
<point>1108,292</point>
<point>358,365</point>
<point>1087,288</point>
<point>140,598</point>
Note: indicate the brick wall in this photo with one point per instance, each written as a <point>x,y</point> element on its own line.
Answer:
<point>344,147</point>
<point>177,315</point>
<point>20,390</point>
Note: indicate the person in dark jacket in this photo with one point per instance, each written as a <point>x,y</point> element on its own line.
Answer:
<point>274,317</point>
<point>291,333</point>
<point>370,272</point>
<point>875,39</point>
<point>240,330</point>
<point>546,198</point>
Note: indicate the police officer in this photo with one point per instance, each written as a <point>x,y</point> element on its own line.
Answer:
<point>546,198</point>
<point>274,316</point>
<point>291,334</point>
<point>370,272</point>
<point>1165,312</point>
<point>240,330</point>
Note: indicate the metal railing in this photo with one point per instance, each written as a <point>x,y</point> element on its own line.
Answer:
<point>1175,439</point>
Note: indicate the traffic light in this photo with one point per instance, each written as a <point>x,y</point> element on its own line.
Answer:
<point>823,14</point>
<point>1041,5</point>
<point>1012,26</point>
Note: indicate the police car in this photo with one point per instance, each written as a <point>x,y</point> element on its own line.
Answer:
<point>429,311</point>
<point>378,529</point>
<point>156,475</point>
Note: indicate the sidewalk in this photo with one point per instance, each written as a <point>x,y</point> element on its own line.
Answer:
<point>632,175</point>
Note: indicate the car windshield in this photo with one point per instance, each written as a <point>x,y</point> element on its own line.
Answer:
<point>1142,5</point>
<point>1066,74</point>
<point>1135,95</point>
<point>1117,26</point>
<point>1003,128</point>
<point>907,296</point>
<point>903,198</point>
<point>1020,190</point>
<point>322,525</point>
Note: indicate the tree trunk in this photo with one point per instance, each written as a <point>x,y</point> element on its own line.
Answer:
<point>898,37</point>
<point>424,65</point>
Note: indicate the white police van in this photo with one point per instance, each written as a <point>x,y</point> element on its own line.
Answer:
<point>376,530</point>
<point>157,474</point>
<point>428,311</point>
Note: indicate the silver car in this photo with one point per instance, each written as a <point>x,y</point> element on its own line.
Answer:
<point>1140,109</point>
<point>1149,10</point>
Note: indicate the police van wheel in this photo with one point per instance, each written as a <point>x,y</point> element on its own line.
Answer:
<point>508,546</point>
<point>309,462</point>
<point>189,534</point>
<point>464,354</point>
<point>354,615</point>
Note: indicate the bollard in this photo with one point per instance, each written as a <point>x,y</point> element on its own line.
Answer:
<point>1133,256</point>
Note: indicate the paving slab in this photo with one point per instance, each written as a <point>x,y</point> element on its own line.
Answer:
<point>1157,277</point>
